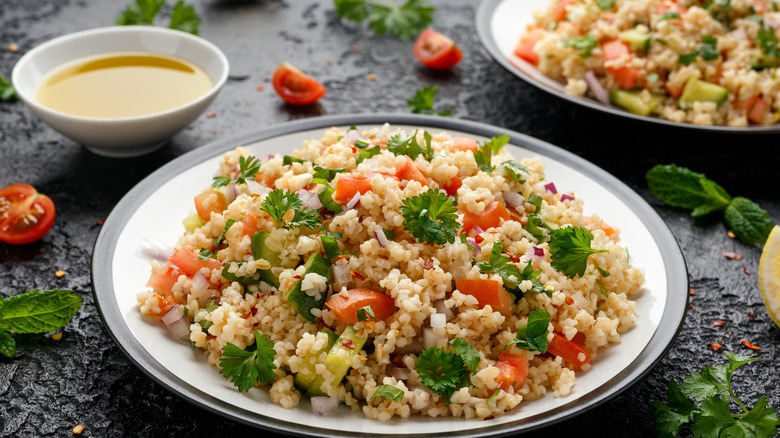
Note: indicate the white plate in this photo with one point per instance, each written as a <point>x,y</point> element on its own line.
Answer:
<point>156,206</point>
<point>501,22</point>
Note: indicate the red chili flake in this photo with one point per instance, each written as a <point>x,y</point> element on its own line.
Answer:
<point>718,323</point>
<point>330,62</point>
<point>256,324</point>
<point>191,127</point>
<point>732,255</point>
<point>254,311</point>
<point>751,316</point>
<point>341,257</point>
<point>479,239</point>
<point>358,276</point>
<point>211,114</point>
<point>428,265</point>
<point>514,258</point>
<point>693,307</point>
<point>260,87</point>
<point>569,300</point>
<point>354,150</point>
<point>745,270</point>
<point>101,221</point>
<point>750,346</point>
<point>716,346</point>
<point>412,240</point>
<point>247,315</point>
<point>214,131</point>
<point>355,48</point>
<point>382,257</point>
<point>691,291</point>
<point>348,343</point>
<point>296,276</point>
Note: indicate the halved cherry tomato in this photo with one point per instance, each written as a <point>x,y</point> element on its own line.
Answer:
<point>187,260</point>
<point>463,144</point>
<point>525,48</point>
<point>409,172</point>
<point>453,186</point>
<point>625,76</point>
<point>487,292</point>
<point>755,107</point>
<point>345,306</point>
<point>205,204</point>
<point>489,218</point>
<point>436,51</point>
<point>512,370</point>
<point>348,185</point>
<point>296,87</point>
<point>568,350</point>
<point>25,214</point>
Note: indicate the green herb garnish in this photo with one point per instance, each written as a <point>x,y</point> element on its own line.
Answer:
<point>404,22</point>
<point>326,174</point>
<point>569,250</point>
<point>467,353</point>
<point>218,241</point>
<point>365,312</point>
<point>708,50</point>
<point>537,227</point>
<point>669,16</point>
<point>442,372</point>
<point>484,155</point>
<point>711,388</point>
<point>143,12</point>
<point>536,201</point>
<point>533,336</point>
<point>7,91</point>
<point>431,217</point>
<point>510,273</point>
<point>325,196</point>
<point>515,170</point>
<point>605,4</point>
<point>288,160</point>
<point>255,364</point>
<point>367,153</point>
<point>584,44</point>
<point>389,392</point>
<point>767,39</point>
<point>407,145</point>
<point>279,202</point>
<point>422,102</point>
<point>248,168</point>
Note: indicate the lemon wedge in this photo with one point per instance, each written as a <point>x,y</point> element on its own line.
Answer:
<point>769,274</point>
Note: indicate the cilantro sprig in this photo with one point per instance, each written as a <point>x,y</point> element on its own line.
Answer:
<point>441,371</point>
<point>35,311</point>
<point>7,91</point>
<point>248,168</point>
<point>404,22</point>
<point>569,250</point>
<point>681,187</point>
<point>533,336</point>
<point>516,170</point>
<point>712,416</point>
<point>484,155</point>
<point>502,265</point>
<point>143,12</point>
<point>422,102</point>
<point>708,50</point>
<point>279,202</point>
<point>246,368</point>
<point>431,217</point>
<point>407,145</point>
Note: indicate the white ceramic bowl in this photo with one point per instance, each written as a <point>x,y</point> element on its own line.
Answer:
<point>125,136</point>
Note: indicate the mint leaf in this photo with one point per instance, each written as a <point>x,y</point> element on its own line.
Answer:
<point>748,221</point>
<point>140,12</point>
<point>389,392</point>
<point>39,311</point>
<point>677,411</point>
<point>7,91</point>
<point>466,352</point>
<point>717,200</point>
<point>681,187</point>
<point>184,18</point>
<point>7,344</point>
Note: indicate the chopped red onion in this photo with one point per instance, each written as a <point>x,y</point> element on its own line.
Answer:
<point>596,88</point>
<point>513,199</point>
<point>551,188</point>
<point>534,254</point>
<point>353,202</point>
<point>352,135</point>
<point>539,252</point>
<point>430,339</point>
<point>324,406</point>
<point>443,309</point>
<point>257,188</point>
<point>153,248</point>
<point>438,320</point>
<point>428,265</point>
<point>199,289</point>
<point>341,275</point>
<point>269,157</point>
<point>400,373</point>
<point>382,238</point>
<point>310,199</point>
<point>473,244</point>
<point>176,322</point>
<point>739,34</point>
<point>477,230</point>
<point>329,293</point>
<point>566,197</point>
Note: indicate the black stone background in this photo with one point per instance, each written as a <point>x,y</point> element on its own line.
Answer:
<point>84,379</point>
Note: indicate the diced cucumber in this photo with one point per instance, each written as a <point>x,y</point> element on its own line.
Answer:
<point>300,300</point>
<point>637,39</point>
<point>764,61</point>
<point>261,251</point>
<point>700,91</point>
<point>636,102</point>
<point>193,222</point>
<point>339,359</point>
<point>306,374</point>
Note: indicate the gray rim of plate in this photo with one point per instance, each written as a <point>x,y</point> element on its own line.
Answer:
<point>102,279</point>
<point>485,14</point>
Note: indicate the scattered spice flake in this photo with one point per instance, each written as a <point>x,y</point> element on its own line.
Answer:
<point>330,62</point>
<point>13,47</point>
<point>273,8</point>
<point>358,276</point>
<point>716,346</point>
<point>211,114</point>
<point>751,316</point>
<point>247,315</point>
<point>260,87</point>
<point>296,276</point>
<point>78,429</point>
<point>745,270</point>
<point>514,258</point>
<point>479,239</point>
<point>254,311</point>
<point>428,265</point>
<point>349,343</point>
<point>731,234</point>
<point>191,127</point>
<point>691,291</point>
<point>719,323</point>
<point>371,77</point>
<point>57,336</point>
<point>383,257</point>
<point>214,131</point>
<point>101,221</point>
<point>370,325</point>
<point>750,346</point>
<point>732,255</point>
<point>354,48</point>
<point>693,307</point>
<point>341,257</point>
<point>569,300</point>
<point>59,274</point>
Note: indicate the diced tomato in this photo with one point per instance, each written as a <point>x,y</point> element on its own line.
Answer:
<point>487,292</point>
<point>165,302</point>
<point>568,350</point>
<point>187,260</point>
<point>559,11</point>
<point>437,51</point>
<point>674,90</point>
<point>671,6</point>
<point>453,186</point>
<point>409,172</point>
<point>296,87</point>
<point>512,370</point>
<point>464,144</point>
<point>346,306</point>
<point>759,6</point>
<point>608,230</point>
<point>564,27</point>
<point>625,76</point>
<point>348,185</point>
<point>250,224</point>
<point>163,282</point>
<point>205,203</point>
<point>25,214</point>
<point>525,48</point>
<point>489,218</point>
<point>755,107</point>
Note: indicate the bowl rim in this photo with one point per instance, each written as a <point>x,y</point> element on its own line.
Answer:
<point>24,61</point>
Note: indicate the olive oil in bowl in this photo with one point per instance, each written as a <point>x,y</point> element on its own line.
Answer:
<point>122,84</point>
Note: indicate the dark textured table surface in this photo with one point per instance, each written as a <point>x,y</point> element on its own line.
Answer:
<point>51,386</point>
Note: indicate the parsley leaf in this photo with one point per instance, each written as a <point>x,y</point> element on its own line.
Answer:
<point>389,392</point>
<point>517,171</point>
<point>422,102</point>
<point>467,353</point>
<point>184,18</point>
<point>279,202</point>
<point>248,167</point>
<point>354,10</point>
<point>584,44</point>
<point>536,201</point>
<point>767,39</point>
<point>569,250</point>
<point>140,12</point>
<point>708,50</point>
<point>7,91</point>
<point>533,336</point>
<point>537,227</point>
<point>365,312</point>
<point>326,196</point>
<point>288,160</point>
<point>326,174</point>
<point>669,16</point>
<point>431,217</point>
<point>404,22</point>
<point>484,155</point>
<point>218,241</point>
<point>605,4</point>
<point>511,274</point>
<point>749,222</point>
<point>407,145</point>
<point>38,311</point>
<point>367,153</point>
<point>442,372</point>
<point>245,368</point>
